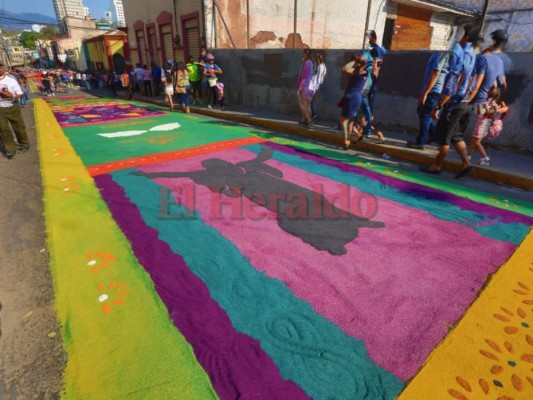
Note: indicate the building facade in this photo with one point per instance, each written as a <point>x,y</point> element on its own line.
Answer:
<point>118,13</point>
<point>162,30</point>
<point>107,52</point>
<point>68,8</point>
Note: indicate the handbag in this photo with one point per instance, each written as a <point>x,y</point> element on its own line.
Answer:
<point>212,81</point>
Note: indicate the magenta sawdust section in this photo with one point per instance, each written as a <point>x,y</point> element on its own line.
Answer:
<point>79,113</point>
<point>385,271</point>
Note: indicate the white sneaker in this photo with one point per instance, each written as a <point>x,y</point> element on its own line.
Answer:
<point>484,162</point>
<point>210,106</point>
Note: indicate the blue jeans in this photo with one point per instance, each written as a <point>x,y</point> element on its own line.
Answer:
<point>367,112</point>
<point>427,125</point>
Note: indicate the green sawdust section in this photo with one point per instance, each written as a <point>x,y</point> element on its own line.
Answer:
<point>192,132</point>
<point>120,341</point>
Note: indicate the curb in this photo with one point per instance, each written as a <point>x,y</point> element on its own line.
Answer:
<point>415,156</point>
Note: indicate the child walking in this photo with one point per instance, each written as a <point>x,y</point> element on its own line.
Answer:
<point>489,123</point>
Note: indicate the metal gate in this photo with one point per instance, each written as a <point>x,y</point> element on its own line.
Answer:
<point>152,43</point>
<point>168,42</point>
<point>193,38</point>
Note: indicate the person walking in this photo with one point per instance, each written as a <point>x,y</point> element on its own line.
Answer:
<point>379,53</point>
<point>317,80</point>
<point>183,87</point>
<point>491,83</point>
<point>168,79</point>
<point>147,81</point>
<point>211,72</point>
<point>489,124</point>
<point>303,90</point>
<point>156,79</point>
<point>456,98</point>
<point>436,71</point>
<point>357,70</point>
<point>367,119</point>
<point>11,116</point>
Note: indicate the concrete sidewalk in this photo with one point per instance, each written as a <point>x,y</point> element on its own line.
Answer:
<point>508,168</point>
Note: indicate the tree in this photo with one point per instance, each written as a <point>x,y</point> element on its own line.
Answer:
<point>27,39</point>
<point>49,32</point>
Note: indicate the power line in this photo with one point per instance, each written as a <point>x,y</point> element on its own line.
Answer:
<point>14,20</point>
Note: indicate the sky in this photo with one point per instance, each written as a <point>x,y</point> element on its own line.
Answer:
<point>46,7</point>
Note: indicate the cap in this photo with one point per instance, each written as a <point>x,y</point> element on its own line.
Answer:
<point>209,56</point>
<point>499,35</point>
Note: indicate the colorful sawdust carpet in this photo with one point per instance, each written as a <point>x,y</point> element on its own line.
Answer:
<point>199,259</point>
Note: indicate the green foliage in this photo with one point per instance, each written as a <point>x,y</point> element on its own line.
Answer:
<point>27,39</point>
<point>49,32</point>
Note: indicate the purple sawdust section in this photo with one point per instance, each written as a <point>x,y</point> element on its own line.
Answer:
<point>74,116</point>
<point>502,215</point>
<point>235,363</point>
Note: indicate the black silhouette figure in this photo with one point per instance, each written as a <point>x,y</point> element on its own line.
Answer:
<point>300,211</point>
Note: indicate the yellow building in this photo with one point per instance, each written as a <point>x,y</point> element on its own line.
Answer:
<point>107,51</point>
<point>162,30</point>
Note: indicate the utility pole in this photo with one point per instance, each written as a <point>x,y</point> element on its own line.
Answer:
<point>295,23</point>
<point>484,15</point>
<point>366,23</point>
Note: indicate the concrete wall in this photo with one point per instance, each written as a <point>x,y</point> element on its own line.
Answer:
<point>319,24</point>
<point>266,79</point>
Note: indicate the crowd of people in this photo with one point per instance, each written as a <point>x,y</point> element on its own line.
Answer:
<point>183,84</point>
<point>465,81</point>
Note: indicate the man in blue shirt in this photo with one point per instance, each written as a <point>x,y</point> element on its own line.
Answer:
<point>434,78</point>
<point>454,119</point>
<point>380,53</point>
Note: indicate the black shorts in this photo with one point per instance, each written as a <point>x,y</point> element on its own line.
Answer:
<point>452,124</point>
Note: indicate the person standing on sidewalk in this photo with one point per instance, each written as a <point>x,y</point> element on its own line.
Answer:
<point>436,71</point>
<point>317,80</point>
<point>379,53</point>
<point>303,90</point>
<point>183,87</point>
<point>195,79</point>
<point>454,119</point>
<point>127,81</point>
<point>147,81</point>
<point>11,116</point>
<point>210,72</point>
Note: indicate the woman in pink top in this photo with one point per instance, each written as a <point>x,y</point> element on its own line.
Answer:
<point>305,94</point>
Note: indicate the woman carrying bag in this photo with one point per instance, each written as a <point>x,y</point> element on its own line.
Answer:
<point>182,87</point>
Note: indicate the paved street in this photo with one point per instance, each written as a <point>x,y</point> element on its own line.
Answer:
<point>188,257</point>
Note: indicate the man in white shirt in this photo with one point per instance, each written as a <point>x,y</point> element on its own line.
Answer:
<point>11,116</point>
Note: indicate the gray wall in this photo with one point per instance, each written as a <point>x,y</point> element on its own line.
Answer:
<point>266,79</point>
